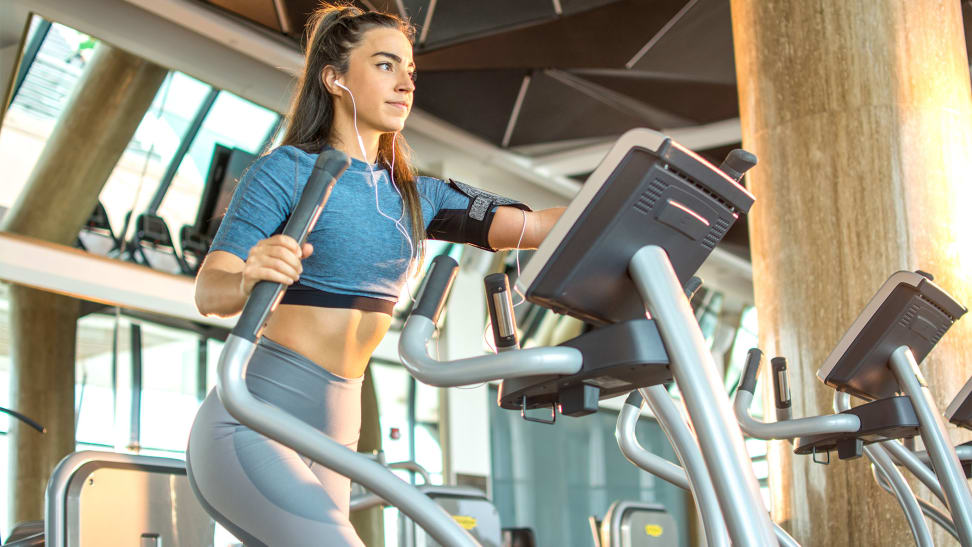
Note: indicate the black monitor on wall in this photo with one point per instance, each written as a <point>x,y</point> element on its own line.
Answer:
<point>225,170</point>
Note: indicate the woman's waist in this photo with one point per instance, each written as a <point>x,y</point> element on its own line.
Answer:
<point>340,340</point>
<point>286,379</point>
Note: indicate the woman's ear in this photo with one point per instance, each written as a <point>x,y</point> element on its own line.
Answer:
<point>329,77</point>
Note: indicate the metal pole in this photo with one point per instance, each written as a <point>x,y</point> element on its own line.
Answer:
<point>687,451</point>
<point>705,399</point>
<point>906,497</point>
<point>939,446</point>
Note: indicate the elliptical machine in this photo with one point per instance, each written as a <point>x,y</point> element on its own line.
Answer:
<point>633,237</point>
<point>877,360</point>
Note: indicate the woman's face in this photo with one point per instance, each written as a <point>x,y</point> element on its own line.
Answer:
<point>380,72</point>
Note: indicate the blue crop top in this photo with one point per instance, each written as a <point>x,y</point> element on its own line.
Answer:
<point>360,257</point>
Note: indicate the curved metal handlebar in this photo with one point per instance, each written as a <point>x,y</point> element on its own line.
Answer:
<point>435,287</point>
<point>666,413</point>
<point>263,299</point>
<point>420,327</point>
<point>783,429</point>
<point>290,431</point>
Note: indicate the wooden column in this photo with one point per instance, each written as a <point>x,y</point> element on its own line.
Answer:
<point>99,120</point>
<point>369,523</point>
<point>861,114</point>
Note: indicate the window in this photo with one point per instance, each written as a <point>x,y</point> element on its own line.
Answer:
<point>231,122</point>
<point>42,95</point>
<point>136,177</point>
<point>164,166</point>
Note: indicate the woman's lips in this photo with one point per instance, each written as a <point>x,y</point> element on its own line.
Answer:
<point>403,106</point>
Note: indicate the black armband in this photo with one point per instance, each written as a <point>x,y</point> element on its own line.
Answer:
<point>470,226</point>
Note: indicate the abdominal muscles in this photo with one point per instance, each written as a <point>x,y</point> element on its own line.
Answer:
<point>339,340</point>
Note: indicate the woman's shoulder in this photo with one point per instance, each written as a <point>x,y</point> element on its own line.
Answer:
<point>288,154</point>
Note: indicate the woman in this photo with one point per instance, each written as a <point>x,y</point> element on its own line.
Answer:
<point>354,95</point>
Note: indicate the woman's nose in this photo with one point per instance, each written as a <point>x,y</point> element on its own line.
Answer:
<point>405,83</point>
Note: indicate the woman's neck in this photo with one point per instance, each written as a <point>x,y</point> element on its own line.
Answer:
<point>345,138</point>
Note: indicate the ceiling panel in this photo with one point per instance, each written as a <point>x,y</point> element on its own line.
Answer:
<point>553,111</point>
<point>477,101</point>
<point>607,36</point>
<point>454,20</point>
<point>261,12</point>
<point>698,45</point>
<point>699,101</point>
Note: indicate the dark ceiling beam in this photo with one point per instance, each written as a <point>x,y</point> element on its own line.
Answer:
<point>394,7</point>
<point>515,114</point>
<point>661,33</point>
<point>624,103</point>
<point>618,29</point>
<point>427,23</point>
<point>262,12</point>
<point>285,23</point>
<point>646,75</point>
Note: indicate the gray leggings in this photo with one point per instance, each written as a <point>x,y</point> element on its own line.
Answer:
<point>261,491</point>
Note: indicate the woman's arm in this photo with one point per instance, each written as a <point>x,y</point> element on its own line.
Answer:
<point>225,281</point>
<point>508,223</point>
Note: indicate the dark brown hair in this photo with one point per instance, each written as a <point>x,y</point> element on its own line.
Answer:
<point>332,32</point>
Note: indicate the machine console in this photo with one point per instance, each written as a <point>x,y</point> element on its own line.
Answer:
<point>649,190</point>
<point>908,310</point>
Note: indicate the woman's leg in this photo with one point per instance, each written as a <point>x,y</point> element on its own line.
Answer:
<point>261,491</point>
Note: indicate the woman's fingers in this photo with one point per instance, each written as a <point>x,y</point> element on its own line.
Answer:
<point>270,274</point>
<point>283,254</point>
<point>275,259</point>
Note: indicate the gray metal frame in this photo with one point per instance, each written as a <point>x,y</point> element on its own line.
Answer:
<point>928,509</point>
<point>792,428</point>
<point>413,350</point>
<point>706,401</point>
<point>671,421</point>
<point>614,520</point>
<point>899,486</point>
<point>77,467</point>
<point>698,478</point>
<point>918,468</point>
<point>939,446</point>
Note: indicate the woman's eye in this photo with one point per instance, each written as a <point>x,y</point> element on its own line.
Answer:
<point>385,66</point>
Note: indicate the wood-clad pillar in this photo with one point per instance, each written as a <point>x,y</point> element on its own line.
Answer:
<point>861,114</point>
<point>109,101</point>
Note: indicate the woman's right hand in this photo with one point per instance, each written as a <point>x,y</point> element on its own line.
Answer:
<point>275,259</point>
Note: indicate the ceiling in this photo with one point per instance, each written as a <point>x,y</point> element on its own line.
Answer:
<point>545,77</point>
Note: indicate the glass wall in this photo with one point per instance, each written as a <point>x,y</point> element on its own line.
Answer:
<point>551,478</point>
<point>163,169</point>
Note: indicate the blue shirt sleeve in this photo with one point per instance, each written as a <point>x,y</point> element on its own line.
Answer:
<point>441,195</point>
<point>261,204</point>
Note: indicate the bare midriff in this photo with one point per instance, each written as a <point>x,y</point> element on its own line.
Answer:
<point>339,340</point>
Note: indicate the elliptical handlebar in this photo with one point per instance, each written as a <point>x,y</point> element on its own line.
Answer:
<point>788,428</point>
<point>287,429</point>
<point>265,295</point>
<point>436,287</point>
<point>420,328</point>
<point>754,358</point>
